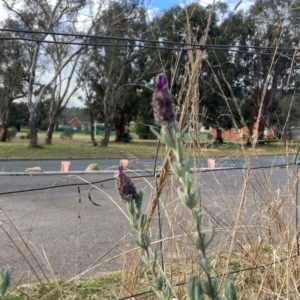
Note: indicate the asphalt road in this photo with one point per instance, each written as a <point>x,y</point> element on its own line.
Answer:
<point>111,164</point>
<point>60,229</point>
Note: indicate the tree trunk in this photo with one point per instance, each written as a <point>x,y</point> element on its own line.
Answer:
<point>219,137</point>
<point>119,132</point>
<point>3,133</point>
<point>107,129</point>
<point>261,129</point>
<point>119,124</point>
<point>107,118</point>
<point>50,130</point>
<point>33,143</point>
<point>250,134</point>
<point>92,129</point>
<point>6,121</point>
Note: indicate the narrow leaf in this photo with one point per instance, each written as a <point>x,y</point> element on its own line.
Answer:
<point>230,291</point>
<point>205,265</point>
<point>194,289</point>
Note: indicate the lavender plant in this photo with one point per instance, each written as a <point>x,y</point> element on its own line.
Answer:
<point>196,289</point>
<point>133,200</point>
<point>4,279</point>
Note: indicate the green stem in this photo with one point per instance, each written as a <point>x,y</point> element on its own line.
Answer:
<point>204,257</point>
<point>148,255</point>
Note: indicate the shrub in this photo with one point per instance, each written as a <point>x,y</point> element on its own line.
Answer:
<point>100,126</point>
<point>44,126</point>
<point>11,133</point>
<point>67,134</point>
<point>126,137</point>
<point>142,131</point>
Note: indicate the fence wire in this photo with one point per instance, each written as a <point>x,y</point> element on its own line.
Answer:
<point>295,163</point>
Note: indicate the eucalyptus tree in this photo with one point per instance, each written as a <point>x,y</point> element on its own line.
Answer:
<point>69,82</point>
<point>189,25</point>
<point>13,75</point>
<point>47,63</point>
<point>118,68</point>
<point>221,98</point>
<point>265,74</point>
<point>90,100</point>
<point>65,87</point>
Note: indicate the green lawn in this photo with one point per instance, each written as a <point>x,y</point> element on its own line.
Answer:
<point>81,147</point>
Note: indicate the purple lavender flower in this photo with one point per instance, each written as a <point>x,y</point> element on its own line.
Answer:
<point>162,102</point>
<point>124,185</point>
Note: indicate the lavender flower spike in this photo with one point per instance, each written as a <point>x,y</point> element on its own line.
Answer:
<point>162,102</point>
<point>124,185</point>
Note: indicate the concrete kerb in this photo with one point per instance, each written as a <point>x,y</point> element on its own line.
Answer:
<point>70,172</point>
<point>138,171</point>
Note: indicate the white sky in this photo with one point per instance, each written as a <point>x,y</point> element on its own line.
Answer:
<point>169,3</point>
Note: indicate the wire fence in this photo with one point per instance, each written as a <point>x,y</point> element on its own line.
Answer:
<point>155,174</point>
<point>152,175</point>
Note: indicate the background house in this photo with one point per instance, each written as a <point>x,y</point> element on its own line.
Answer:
<point>73,118</point>
<point>75,123</point>
<point>243,132</point>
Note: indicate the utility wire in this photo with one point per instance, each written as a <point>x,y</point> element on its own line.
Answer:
<point>144,40</point>
<point>86,44</point>
<point>186,46</point>
<point>95,37</point>
<point>190,48</point>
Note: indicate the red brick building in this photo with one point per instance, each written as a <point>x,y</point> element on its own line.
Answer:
<point>243,132</point>
<point>75,123</point>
